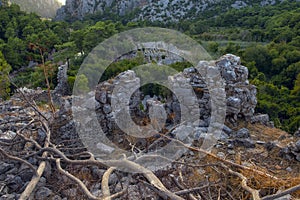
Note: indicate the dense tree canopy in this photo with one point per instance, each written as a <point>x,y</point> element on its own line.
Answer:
<point>267,39</point>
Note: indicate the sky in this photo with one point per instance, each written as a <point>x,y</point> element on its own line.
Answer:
<point>62,1</point>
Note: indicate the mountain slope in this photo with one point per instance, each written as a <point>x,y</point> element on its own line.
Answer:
<point>153,10</point>
<point>45,8</point>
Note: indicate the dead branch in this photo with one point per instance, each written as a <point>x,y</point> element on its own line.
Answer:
<point>187,191</point>
<point>283,193</point>
<point>77,181</point>
<point>35,179</point>
<point>191,196</point>
<point>116,195</point>
<point>32,184</point>
<point>255,193</point>
<point>233,164</point>
<point>45,71</point>
<point>162,193</point>
<point>132,166</point>
<point>84,188</point>
<point>104,183</point>
<point>69,161</point>
<point>27,101</point>
<point>10,157</point>
<point>19,133</point>
<point>121,164</point>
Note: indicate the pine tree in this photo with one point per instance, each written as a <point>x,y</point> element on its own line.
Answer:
<point>4,80</point>
<point>296,90</point>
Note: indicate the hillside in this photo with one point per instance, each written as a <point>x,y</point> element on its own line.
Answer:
<point>200,101</point>
<point>44,8</point>
<point>249,160</point>
<point>266,38</point>
<point>152,10</point>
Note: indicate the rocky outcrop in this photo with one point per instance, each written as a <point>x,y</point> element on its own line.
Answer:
<point>45,8</point>
<point>153,10</point>
<point>62,88</point>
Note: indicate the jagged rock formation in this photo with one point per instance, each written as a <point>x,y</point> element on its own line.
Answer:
<point>153,10</point>
<point>62,87</point>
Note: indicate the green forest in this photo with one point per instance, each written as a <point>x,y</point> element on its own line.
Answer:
<point>266,38</point>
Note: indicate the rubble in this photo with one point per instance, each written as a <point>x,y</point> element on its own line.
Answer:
<point>246,138</point>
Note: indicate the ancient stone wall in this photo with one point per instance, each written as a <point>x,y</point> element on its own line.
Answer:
<point>240,98</point>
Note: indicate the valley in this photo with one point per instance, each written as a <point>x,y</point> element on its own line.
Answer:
<point>167,99</point>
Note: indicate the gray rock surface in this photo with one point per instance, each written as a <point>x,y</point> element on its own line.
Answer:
<point>262,119</point>
<point>242,133</point>
<point>153,10</point>
<point>14,114</point>
<point>62,87</point>
<point>43,193</point>
<point>114,95</point>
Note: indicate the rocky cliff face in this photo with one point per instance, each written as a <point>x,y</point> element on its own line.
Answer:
<point>153,10</point>
<point>45,8</point>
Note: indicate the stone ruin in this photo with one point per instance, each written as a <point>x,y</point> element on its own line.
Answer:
<point>62,87</point>
<point>240,100</point>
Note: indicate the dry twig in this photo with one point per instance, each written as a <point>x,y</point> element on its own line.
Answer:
<point>254,193</point>
<point>17,159</point>
<point>283,193</point>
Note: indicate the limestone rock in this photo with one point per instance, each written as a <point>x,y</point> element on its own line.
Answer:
<point>152,10</point>
<point>242,133</point>
<point>62,87</point>
<point>43,193</point>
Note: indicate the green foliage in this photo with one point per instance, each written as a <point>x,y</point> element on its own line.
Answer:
<point>4,79</point>
<point>38,76</point>
<point>213,46</point>
<point>81,84</point>
<point>296,90</point>
<point>266,38</point>
<point>71,81</point>
<point>15,52</point>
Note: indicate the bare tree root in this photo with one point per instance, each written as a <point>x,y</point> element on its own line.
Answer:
<point>134,167</point>
<point>32,184</point>
<point>35,179</point>
<point>104,183</point>
<point>85,189</point>
<point>77,181</point>
<point>49,153</point>
<point>187,191</point>
<point>121,164</point>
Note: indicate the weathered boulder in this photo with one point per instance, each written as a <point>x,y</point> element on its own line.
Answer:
<point>242,133</point>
